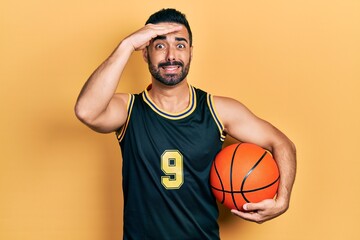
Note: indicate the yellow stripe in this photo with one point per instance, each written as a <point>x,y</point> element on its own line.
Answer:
<point>220,125</point>
<point>121,132</point>
<point>173,116</point>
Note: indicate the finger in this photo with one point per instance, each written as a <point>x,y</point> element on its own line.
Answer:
<point>164,28</point>
<point>164,25</point>
<point>253,206</point>
<point>249,216</point>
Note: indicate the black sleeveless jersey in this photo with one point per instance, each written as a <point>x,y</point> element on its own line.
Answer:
<point>166,164</point>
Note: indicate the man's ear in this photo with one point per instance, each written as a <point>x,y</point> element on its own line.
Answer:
<point>145,54</point>
<point>191,52</point>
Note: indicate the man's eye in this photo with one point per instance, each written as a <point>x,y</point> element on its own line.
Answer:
<point>159,46</point>
<point>181,45</point>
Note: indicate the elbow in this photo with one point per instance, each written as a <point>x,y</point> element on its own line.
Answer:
<point>85,116</point>
<point>79,113</point>
<point>292,147</point>
<point>82,114</point>
<point>285,144</point>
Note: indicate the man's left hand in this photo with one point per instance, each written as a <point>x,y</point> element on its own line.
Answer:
<point>262,211</point>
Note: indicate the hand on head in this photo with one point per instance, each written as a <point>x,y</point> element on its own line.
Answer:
<point>142,37</point>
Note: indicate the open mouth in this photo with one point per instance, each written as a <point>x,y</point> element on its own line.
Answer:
<point>171,68</point>
<point>173,64</point>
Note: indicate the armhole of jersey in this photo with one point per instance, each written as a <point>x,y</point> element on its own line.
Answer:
<point>121,131</point>
<point>210,102</point>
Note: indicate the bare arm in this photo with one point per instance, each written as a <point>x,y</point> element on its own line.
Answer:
<point>98,106</point>
<point>244,126</point>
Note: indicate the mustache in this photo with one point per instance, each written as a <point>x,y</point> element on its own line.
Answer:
<point>173,63</point>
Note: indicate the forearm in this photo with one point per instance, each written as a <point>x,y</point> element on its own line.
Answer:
<point>285,156</point>
<point>99,89</point>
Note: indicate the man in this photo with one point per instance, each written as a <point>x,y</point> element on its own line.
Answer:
<point>170,133</point>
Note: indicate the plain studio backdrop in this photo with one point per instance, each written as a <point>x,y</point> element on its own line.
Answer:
<point>294,63</point>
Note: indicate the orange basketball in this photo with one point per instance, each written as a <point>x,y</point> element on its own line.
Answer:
<point>243,173</point>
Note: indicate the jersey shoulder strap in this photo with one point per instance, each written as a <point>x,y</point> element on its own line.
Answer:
<point>121,131</point>
<point>215,115</point>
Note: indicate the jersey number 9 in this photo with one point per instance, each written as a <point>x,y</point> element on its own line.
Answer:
<point>172,166</point>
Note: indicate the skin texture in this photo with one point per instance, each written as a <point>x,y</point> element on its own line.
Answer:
<point>166,49</point>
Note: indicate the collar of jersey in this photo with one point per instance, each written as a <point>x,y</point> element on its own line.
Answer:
<point>172,116</point>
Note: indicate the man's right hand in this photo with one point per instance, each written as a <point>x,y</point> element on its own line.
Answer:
<point>142,37</point>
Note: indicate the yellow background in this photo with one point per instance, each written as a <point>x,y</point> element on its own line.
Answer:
<point>294,63</point>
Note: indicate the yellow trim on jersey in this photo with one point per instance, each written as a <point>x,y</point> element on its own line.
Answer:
<point>173,116</point>
<point>220,125</point>
<point>121,132</point>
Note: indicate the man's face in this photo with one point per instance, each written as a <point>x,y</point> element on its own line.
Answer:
<point>169,57</point>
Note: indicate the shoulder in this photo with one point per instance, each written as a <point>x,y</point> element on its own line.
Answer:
<point>228,104</point>
<point>232,111</point>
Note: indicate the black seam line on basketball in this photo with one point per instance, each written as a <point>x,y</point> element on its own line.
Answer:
<point>247,191</point>
<point>247,175</point>
<point>222,185</point>
<point>231,168</point>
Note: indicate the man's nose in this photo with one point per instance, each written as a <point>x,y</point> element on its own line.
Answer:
<point>170,55</point>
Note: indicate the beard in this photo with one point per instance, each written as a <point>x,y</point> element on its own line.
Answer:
<point>168,79</point>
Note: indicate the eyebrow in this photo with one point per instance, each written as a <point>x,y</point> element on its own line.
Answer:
<point>181,39</point>
<point>163,37</point>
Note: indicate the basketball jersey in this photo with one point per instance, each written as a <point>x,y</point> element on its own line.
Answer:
<point>166,163</point>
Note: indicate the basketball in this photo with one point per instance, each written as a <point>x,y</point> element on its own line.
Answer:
<point>243,173</point>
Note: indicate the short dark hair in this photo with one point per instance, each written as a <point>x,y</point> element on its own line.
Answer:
<point>170,15</point>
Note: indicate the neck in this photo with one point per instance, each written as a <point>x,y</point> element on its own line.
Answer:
<point>171,99</point>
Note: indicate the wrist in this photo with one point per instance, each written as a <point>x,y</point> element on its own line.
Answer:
<point>126,45</point>
<point>282,204</point>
